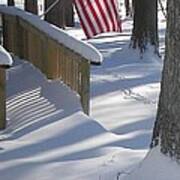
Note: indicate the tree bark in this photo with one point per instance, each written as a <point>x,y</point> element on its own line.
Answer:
<point>167,126</point>
<point>55,16</point>
<point>69,15</point>
<point>31,6</point>
<point>11,3</point>
<point>127,6</point>
<point>145,28</point>
<point>62,14</point>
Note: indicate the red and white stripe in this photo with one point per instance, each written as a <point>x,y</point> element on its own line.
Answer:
<point>98,16</point>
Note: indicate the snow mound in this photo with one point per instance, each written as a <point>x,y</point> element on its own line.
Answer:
<point>156,166</point>
<point>5,58</point>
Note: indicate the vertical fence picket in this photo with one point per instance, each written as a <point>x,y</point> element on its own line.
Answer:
<point>85,85</point>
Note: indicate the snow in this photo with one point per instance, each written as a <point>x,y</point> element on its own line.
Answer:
<point>85,49</point>
<point>49,137</point>
<point>156,166</point>
<point>5,58</point>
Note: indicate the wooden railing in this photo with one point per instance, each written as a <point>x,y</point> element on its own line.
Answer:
<point>52,57</point>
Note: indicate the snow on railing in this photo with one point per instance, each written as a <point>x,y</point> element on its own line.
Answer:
<point>5,57</point>
<point>86,50</point>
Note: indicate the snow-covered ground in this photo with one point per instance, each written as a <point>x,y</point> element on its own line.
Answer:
<point>155,166</point>
<point>49,137</point>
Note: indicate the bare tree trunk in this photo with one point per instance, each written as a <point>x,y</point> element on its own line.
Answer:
<point>127,6</point>
<point>56,16</point>
<point>62,14</point>
<point>31,6</point>
<point>69,15</point>
<point>167,126</point>
<point>152,22</point>
<point>11,3</point>
<point>145,24</point>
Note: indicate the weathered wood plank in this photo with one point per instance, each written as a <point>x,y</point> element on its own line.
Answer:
<point>2,98</point>
<point>52,64</point>
<point>60,59</point>
<point>10,33</point>
<point>85,85</point>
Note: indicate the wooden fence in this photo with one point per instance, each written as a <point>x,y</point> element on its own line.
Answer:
<point>54,59</point>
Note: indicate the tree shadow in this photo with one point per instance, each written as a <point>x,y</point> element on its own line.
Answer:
<point>121,61</point>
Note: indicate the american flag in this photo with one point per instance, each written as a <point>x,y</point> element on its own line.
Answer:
<point>98,16</point>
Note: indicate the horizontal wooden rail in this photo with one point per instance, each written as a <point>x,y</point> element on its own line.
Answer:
<point>54,59</point>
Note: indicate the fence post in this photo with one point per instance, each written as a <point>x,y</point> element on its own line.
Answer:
<point>5,32</point>
<point>85,85</point>
<point>2,98</point>
<point>10,33</point>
